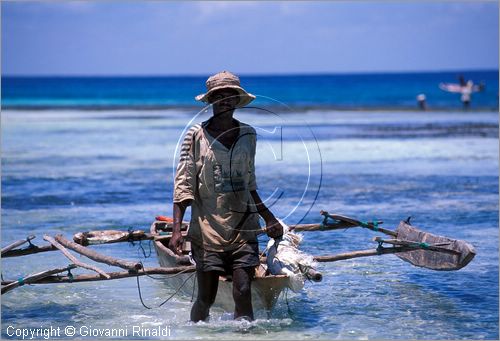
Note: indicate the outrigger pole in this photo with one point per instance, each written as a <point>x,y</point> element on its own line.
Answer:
<point>408,243</point>
<point>69,278</point>
<point>115,236</point>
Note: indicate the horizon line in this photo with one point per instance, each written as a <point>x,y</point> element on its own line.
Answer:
<point>257,74</point>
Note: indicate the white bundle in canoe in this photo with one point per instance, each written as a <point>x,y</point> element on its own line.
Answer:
<point>285,258</point>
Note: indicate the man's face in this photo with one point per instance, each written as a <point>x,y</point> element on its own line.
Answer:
<point>224,99</point>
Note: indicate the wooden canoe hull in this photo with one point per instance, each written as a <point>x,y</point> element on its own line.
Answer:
<point>265,289</point>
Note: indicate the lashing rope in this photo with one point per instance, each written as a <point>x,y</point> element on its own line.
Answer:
<point>162,278</point>
<point>178,289</point>
<point>30,245</point>
<point>70,276</point>
<point>423,245</point>
<point>380,247</point>
<point>370,225</point>
<point>130,238</point>
<point>141,247</point>
<point>324,223</point>
<point>139,291</point>
<point>131,241</point>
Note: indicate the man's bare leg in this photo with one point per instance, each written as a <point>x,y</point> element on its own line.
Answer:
<point>208,283</point>
<point>242,293</point>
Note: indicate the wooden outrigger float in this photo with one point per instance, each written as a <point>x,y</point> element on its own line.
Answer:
<point>417,247</point>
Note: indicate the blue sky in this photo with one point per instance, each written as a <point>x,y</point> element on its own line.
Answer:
<point>174,38</point>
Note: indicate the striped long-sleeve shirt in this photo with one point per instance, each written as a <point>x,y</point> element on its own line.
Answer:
<point>219,181</point>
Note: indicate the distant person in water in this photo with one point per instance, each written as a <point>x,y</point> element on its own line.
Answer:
<point>216,177</point>
<point>461,80</point>
<point>466,93</point>
<point>464,88</point>
<point>421,100</point>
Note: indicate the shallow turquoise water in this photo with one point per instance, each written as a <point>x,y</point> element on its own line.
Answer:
<point>69,171</point>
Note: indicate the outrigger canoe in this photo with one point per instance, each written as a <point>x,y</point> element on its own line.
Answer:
<point>265,288</point>
<point>410,244</point>
<point>417,247</point>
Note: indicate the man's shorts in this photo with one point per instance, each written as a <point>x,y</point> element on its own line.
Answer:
<point>246,255</point>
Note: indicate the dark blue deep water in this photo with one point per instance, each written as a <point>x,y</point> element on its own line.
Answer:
<point>67,171</point>
<point>349,91</point>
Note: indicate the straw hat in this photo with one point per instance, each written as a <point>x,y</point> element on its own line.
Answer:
<point>225,80</point>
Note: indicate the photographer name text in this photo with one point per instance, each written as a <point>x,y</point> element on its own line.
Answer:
<point>86,331</point>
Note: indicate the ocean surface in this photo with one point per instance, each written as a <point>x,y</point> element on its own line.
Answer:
<point>339,91</point>
<point>66,171</point>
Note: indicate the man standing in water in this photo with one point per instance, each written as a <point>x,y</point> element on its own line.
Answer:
<point>216,177</point>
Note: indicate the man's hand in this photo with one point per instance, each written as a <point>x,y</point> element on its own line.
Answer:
<point>175,243</point>
<point>273,228</point>
<point>176,240</point>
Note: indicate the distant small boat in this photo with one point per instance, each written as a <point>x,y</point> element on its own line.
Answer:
<point>458,88</point>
